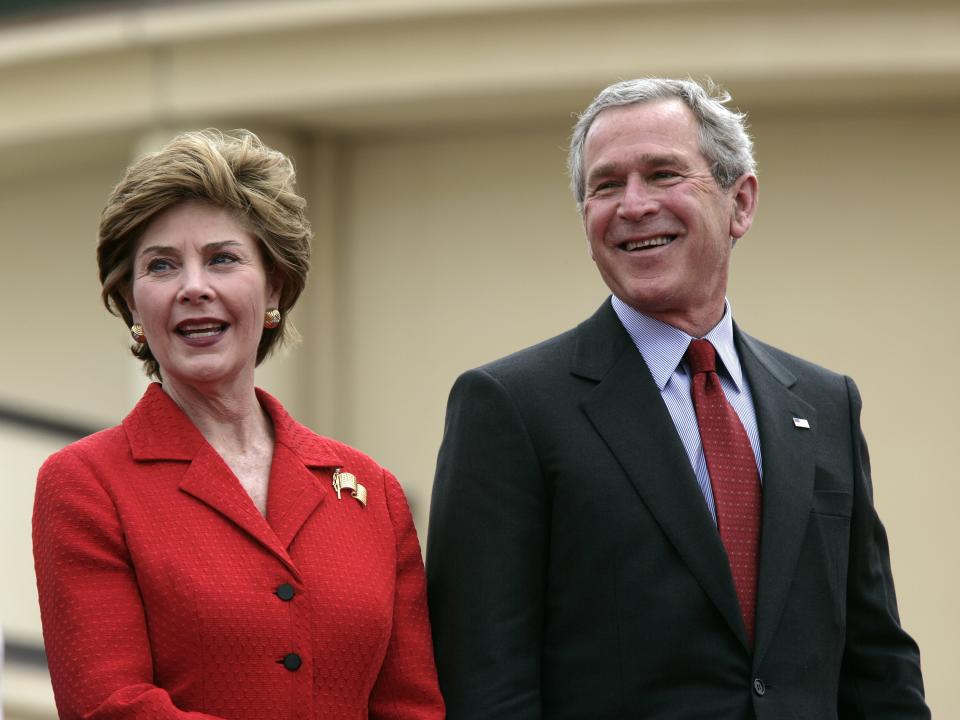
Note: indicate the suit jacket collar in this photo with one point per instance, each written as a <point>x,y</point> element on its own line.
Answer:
<point>599,342</point>
<point>663,346</point>
<point>626,409</point>
<point>158,430</point>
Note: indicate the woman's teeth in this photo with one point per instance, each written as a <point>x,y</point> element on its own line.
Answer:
<point>201,331</point>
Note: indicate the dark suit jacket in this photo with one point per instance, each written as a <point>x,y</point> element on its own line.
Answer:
<point>165,594</point>
<point>574,570</point>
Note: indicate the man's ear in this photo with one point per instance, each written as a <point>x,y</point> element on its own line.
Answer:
<point>745,194</point>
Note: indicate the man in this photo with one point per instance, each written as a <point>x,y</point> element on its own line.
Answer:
<point>655,515</point>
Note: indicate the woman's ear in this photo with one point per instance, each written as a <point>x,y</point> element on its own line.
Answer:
<point>127,296</point>
<point>274,291</point>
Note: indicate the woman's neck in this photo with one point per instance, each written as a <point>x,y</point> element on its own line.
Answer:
<point>228,416</point>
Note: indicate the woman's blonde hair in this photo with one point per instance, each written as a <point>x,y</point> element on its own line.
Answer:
<point>233,170</point>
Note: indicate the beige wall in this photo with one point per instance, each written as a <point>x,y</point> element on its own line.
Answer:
<point>69,359</point>
<point>444,242</point>
<point>461,246</point>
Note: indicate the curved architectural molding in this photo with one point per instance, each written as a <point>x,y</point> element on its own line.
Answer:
<point>381,64</point>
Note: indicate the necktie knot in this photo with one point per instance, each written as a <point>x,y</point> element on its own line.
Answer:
<point>702,357</point>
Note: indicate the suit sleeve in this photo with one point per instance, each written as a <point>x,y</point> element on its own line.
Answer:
<point>880,674</point>
<point>486,556</point>
<point>93,619</point>
<point>406,688</point>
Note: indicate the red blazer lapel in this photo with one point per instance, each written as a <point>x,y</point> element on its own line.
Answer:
<point>295,491</point>
<point>294,494</point>
<point>210,481</point>
<point>158,430</point>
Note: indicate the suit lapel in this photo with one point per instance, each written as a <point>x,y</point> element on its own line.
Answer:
<point>158,430</point>
<point>627,411</point>
<point>294,494</point>
<point>210,481</point>
<point>295,491</point>
<point>789,455</point>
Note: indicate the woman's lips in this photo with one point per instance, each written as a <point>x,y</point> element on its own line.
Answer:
<point>202,332</point>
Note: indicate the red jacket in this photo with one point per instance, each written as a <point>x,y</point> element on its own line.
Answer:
<point>164,593</point>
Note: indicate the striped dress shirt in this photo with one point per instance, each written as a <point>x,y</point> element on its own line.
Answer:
<point>663,347</point>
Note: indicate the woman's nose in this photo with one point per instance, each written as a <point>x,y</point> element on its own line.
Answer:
<point>195,287</point>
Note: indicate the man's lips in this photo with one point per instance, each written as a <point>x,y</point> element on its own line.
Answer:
<point>646,243</point>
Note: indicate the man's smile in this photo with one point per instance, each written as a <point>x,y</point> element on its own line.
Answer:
<point>659,241</point>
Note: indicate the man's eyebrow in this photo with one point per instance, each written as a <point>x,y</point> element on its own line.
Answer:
<point>649,159</point>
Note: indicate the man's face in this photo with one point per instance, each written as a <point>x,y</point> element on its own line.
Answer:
<point>660,228</point>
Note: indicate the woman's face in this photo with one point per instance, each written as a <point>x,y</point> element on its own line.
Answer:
<point>200,290</point>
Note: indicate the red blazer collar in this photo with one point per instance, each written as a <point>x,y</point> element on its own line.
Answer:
<point>157,429</point>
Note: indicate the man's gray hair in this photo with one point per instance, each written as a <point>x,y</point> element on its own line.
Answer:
<point>724,140</point>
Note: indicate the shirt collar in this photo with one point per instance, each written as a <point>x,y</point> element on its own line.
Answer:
<point>663,346</point>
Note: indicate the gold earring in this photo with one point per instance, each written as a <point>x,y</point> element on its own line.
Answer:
<point>271,319</point>
<point>136,332</point>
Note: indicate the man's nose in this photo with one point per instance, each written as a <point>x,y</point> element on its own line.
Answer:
<point>637,200</point>
<point>195,286</point>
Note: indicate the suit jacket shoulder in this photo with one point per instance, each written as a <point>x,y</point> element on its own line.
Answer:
<point>787,367</point>
<point>587,350</point>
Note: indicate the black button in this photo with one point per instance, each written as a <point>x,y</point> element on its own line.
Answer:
<point>292,662</point>
<point>285,592</point>
<point>759,687</point>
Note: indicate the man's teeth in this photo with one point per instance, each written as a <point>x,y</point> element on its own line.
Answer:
<point>652,242</point>
<point>201,331</point>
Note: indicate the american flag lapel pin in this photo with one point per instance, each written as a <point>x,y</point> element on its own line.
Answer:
<point>801,423</point>
<point>348,481</point>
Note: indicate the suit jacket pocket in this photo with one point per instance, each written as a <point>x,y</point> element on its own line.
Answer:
<point>825,560</point>
<point>835,503</point>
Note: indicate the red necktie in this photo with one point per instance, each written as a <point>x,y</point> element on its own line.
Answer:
<point>733,476</point>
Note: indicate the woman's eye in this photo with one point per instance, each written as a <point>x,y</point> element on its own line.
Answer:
<point>158,265</point>
<point>223,259</point>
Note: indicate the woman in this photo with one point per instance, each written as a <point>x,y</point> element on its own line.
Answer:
<point>210,557</point>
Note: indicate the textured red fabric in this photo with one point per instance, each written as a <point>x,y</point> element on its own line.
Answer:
<point>733,476</point>
<point>158,580</point>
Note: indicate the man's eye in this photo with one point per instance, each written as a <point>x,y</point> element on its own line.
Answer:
<point>606,185</point>
<point>664,175</point>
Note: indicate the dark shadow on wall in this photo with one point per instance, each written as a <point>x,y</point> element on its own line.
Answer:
<point>13,12</point>
<point>15,651</point>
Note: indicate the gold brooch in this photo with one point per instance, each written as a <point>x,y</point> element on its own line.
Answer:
<point>345,480</point>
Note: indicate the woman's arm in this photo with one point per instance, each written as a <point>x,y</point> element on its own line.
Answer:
<point>93,618</point>
<point>407,686</point>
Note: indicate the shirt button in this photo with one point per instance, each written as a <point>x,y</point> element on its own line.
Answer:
<point>285,592</point>
<point>292,662</point>
<point>759,687</point>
